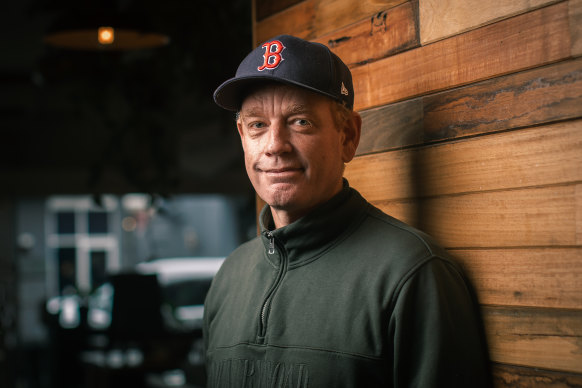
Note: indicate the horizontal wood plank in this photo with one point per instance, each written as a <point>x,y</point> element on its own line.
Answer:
<point>297,20</point>
<point>443,18</point>
<point>537,217</point>
<point>392,126</point>
<point>313,18</point>
<point>384,177</point>
<point>575,12</point>
<point>543,277</point>
<point>550,93</point>
<point>546,155</point>
<point>378,36</point>
<point>511,376</point>
<point>545,338</point>
<point>266,8</point>
<point>542,95</point>
<point>519,43</point>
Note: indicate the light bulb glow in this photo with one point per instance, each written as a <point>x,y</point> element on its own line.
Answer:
<point>106,35</point>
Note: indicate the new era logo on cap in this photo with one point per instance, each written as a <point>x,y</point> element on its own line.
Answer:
<point>293,61</point>
<point>344,90</point>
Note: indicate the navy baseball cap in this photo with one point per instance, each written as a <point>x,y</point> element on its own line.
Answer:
<point>290,60</point>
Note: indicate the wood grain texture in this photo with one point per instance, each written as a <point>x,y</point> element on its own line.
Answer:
<point>519,43</point>
<point>511,376</point>
<point>384,177</point>
<point>313,18</point>
<point>536,217</point>
<point>266,8</point>
<point>542,277</point>
<point>546,94</point>
<point>443,18</point>
<point>545,338</point>
<point>550,93</point>
<point>382,34</point>
<point>575,13</point>
<point>538,156</point>
<point>579,213</point>
<point>298,20</point>
<point>392,126</point>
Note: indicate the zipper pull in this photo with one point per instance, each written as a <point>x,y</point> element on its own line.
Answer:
<point>271,243</point>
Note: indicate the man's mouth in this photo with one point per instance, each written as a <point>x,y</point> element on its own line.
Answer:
<point>281,172</point>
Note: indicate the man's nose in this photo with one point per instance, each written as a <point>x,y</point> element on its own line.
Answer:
<point>278,140</point>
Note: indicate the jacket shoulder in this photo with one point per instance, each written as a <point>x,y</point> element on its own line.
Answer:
<point>396,233</point>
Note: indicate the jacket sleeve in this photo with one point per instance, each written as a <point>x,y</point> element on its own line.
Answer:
<point>437,332</point>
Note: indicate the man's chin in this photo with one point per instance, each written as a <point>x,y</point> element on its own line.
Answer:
<point>281,196</point>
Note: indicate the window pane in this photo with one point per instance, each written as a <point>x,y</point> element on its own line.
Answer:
<point>65,222</point>
<point>97,222</point>
<point>98,268</point>
<point>67,269</point>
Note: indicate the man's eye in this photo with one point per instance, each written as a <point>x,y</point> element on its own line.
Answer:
<point>257,125</point>
<point>302,122</point>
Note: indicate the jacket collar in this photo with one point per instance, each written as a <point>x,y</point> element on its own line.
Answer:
<point>308,237</point>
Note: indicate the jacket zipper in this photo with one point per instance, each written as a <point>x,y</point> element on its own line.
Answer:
<point>267,303</point>
<point>271,243</point>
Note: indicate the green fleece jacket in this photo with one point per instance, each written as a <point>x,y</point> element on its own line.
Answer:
<point>346,296</point>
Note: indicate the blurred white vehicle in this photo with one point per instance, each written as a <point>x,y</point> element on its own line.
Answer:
<point>184,282</point>
<point>150,319</point>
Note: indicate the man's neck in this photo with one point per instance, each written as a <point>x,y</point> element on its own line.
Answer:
<point>283,218</point>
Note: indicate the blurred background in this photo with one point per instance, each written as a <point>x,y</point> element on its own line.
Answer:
<point>122,187</point>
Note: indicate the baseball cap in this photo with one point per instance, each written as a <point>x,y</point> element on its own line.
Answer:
<point>293,61</point>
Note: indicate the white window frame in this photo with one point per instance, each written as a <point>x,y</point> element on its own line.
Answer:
<point>81,239</point>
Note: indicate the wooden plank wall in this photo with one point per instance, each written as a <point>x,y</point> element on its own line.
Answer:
<point>472,131</point>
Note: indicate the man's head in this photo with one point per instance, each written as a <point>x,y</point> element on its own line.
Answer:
<point>296,123</point>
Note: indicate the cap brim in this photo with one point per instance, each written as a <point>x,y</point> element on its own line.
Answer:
<point>230,94</point>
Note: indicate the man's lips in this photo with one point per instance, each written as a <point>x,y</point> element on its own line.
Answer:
<point>281,172</point>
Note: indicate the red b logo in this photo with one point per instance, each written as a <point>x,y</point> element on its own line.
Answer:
<point>272,56</point>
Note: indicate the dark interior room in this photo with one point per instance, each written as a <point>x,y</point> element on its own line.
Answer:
<point>81,119</point>
<point>114,153</point>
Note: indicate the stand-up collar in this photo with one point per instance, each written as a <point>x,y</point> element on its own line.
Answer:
<point>309,236</point>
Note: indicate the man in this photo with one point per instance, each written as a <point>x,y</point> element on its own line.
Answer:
<point>333,293</point>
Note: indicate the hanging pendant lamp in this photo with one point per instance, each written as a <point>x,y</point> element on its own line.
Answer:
<point>103,29</point>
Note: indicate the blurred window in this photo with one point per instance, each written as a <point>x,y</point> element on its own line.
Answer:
<point>65,222</point>
<point>97,222</point>
<point>98,268</point>
<point>81,234</point>
<point>66,258</point>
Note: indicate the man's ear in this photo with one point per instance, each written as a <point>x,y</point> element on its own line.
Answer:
<point>239,126</point>
<point>352,131</point>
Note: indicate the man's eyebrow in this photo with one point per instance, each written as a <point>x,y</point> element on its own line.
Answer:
<point>298,108</point>
<point>251,112</point>
<point>293,109</point>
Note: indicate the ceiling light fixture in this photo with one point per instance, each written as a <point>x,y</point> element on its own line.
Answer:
<point>106,35</point>
<point>103,31</point>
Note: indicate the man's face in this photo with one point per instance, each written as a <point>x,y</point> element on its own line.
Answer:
<point>294,153</point>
